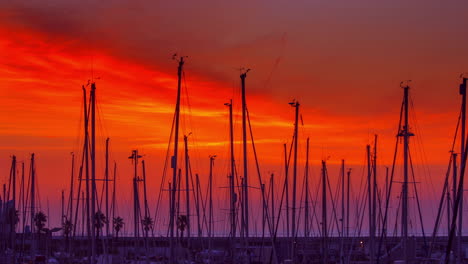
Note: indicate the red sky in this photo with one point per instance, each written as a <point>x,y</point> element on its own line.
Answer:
<point>342,61</point>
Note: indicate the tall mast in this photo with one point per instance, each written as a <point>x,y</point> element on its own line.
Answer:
<point>113,195</point>
<point>33,203</point>
<point>197,205</point>
<point>245,186</point>
<point>324,214</point>
<point>462,144</point>
<point>342,211</point>
<point>86,158</point>
<point>210,219</point>
<point>174,161</point>
<point>187,193</point>
<point>293,226</point>
<point>13,216</point>
<point>145,198</point>
<point>405,133</point>
<point>107,187</point>
<point>347,201</point>
<point>374,200</point>
<point>232,193</point>
<point>286,179</point>
<point>93,170</point>
<point>136,203</point>
<point>272,190</point>
<point>72,179</point>
<point>306,214</point>
<point>370,205</point>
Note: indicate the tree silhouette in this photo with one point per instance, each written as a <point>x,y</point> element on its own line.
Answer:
<point>99,220</point>
<point>147,223</point>
<point>118,224</point>
<point>67,227</point>
<point>181,224</point>
<point>39,221</point>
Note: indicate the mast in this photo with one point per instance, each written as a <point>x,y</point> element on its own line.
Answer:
<point>145,199</point>
<point>174,161</point>
<point>232,193</point>
<point>93,170</point>
<point>136,203</point>
<point>462,151</point>
<point>113,195</point>
<point>13,215</point>
<point>86,158</point>
<point>272,190</point>
<point>293,226</point>
<point>347,202</point>
<point>197,205</point>
<point>244,150</point>
<point>210,220</point>
<point>342,211</point>
<point>70,204</point>
<point>374,200</point>
<point>454,188</point>
<point>405,133</point>
<point>306,213</point>
<point>370,205</point>
<point>33,202</point>
<point>324,214</point>
<point>107,187</point>
<point>286,179</point>
<point>187,198</point>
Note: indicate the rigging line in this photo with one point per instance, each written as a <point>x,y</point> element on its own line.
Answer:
<point>314,204</point>
<point>417,201</point>
<point>390,184</point>
<point>260,182</point>
<point>361,203</point>
<point>334,215</point>
<point>441,201</point>
<point>457,204</point>
<point>164,173</point>
<point>420,145</point>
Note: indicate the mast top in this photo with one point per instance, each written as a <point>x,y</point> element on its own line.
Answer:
<point>405,84</point>
<point>244,72</point>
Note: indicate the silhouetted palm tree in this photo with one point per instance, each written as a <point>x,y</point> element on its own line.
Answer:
<point>39,221</point>
<point>67,227</point>
<point>147,223</point>
<point>118,224</point>
<point>99,220</point>
<point>181,224</point>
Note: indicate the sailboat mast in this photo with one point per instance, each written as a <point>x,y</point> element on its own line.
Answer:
<point>13,216</point>
<point>462,151</point>
<point>374,200</point>
<point>33,203</point>
<point>72,179</point>
<point>210,220</point>
<point>342,211</point>
<point>187,192</point>
<point>306,213</point>
<point>286,183</point>
<point>174,161</point>
<point>370,204</point>
<point>145,198</point>
<point>348,201</point>
<point>245,186</point>
<point>324,214</point>
<point>296,132</point>
<point>93,170</point>
<point>232,193</point>
<point>107,187</point>
<point>404,215</point>
<point>113,195</point>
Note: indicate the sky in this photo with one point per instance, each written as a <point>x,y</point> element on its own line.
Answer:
<point>342,60</point>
